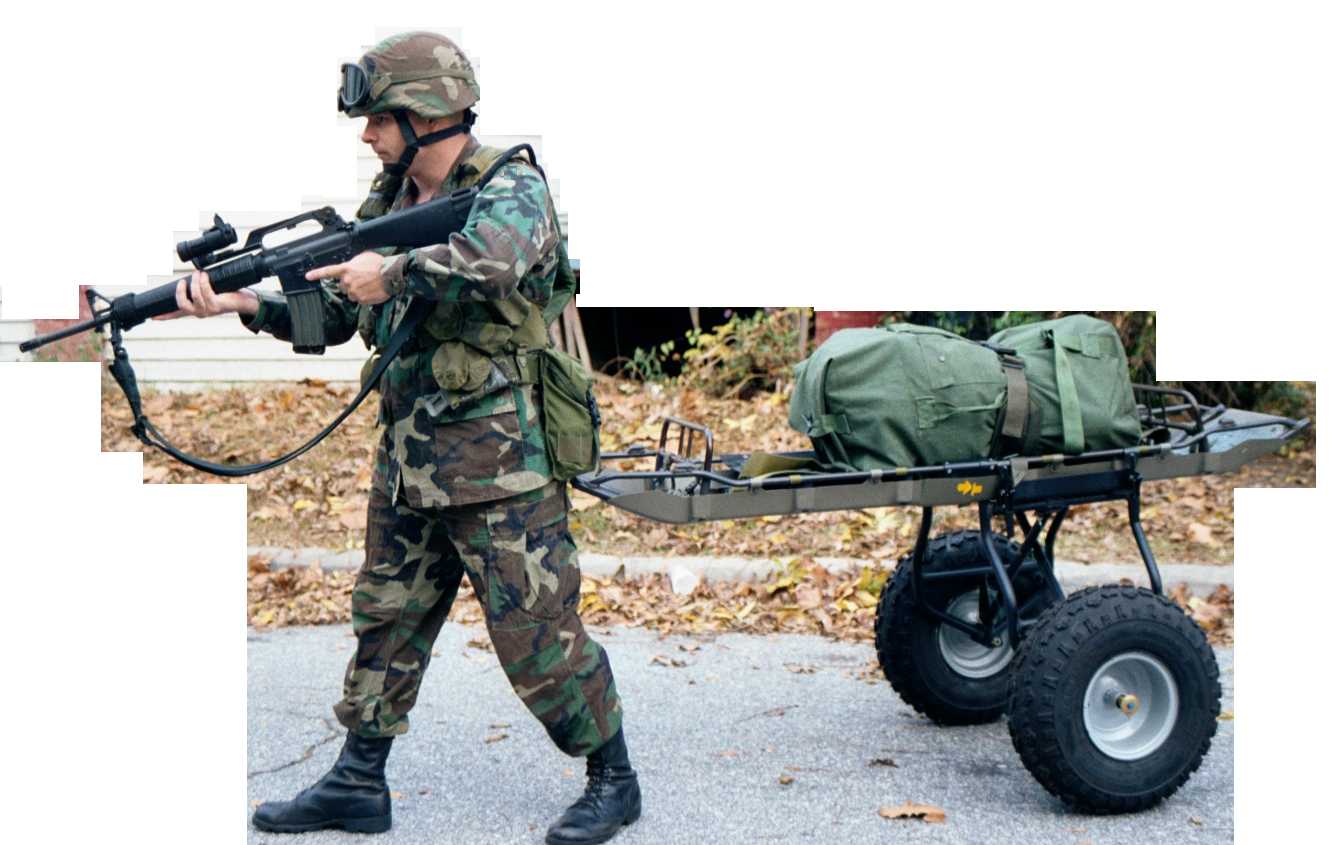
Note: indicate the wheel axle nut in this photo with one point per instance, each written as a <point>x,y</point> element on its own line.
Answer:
<point>1128,704</point>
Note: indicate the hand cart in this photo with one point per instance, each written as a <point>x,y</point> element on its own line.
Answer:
<point>1112,693</point>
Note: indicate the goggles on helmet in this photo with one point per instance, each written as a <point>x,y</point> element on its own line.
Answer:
<point>359,87</point>
<point>355,89</point>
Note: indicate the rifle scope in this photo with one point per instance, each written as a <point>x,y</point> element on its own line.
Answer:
<point>219,236</point>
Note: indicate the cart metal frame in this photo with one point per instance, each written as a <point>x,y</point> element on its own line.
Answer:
<point>1030,494</point>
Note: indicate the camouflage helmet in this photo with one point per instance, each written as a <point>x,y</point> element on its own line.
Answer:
<point>420,72</point>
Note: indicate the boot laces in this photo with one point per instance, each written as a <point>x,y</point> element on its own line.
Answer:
<point>600,782</point>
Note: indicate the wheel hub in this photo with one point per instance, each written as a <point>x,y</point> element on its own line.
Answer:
<point>965,655</point>
<point>1131,706</point>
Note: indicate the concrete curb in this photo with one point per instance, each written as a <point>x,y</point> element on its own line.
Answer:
<point>1201,578</point>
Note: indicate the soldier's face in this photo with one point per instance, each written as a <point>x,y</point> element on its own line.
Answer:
<point>382,134</point>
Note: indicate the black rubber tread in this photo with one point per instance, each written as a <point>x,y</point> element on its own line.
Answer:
<point>1050,673</point>
<point>905,640</point>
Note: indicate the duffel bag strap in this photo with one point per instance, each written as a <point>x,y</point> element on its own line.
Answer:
<point>1016,402</point>
<point>1071,412</point>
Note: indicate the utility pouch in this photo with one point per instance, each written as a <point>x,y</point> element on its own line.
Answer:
<point>458,368</point>
<point>570,418</point>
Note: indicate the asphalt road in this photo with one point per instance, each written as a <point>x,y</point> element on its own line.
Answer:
<point>710,740</point>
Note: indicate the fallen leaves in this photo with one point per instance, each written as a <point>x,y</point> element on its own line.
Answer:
<point>1200,533</point>
<point>803,597</point>
<point>1214,614</point>
<point>786,779</point>
<point>350,512</point>
<point>908,810</point>
<point>308,596</point>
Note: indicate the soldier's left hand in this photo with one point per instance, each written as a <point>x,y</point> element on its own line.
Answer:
<point>359,278</point>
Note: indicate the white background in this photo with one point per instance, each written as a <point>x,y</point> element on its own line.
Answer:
<point>1147,155</point>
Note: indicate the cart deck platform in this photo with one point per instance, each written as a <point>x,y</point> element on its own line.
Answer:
<point>681,489</point>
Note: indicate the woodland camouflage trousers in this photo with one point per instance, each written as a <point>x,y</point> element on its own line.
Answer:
<point>521,561</point>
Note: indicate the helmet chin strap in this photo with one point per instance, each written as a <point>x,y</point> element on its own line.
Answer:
<point>399,168</point>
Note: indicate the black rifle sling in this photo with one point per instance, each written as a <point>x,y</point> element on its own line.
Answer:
<point>416,312</point>
<point>150,436</point>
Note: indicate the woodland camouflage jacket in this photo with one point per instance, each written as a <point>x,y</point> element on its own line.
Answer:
<point>458,405</point>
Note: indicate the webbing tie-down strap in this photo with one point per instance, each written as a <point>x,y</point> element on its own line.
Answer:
<point>1016,404</point>
<point>1071,412</point>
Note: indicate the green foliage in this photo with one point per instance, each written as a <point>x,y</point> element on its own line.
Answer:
<point>744,354</point>
<point>1009,319</point>
<point>647,365</point>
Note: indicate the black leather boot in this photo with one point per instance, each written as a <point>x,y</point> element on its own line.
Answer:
<point>610,802</point>
<point>352,796</point>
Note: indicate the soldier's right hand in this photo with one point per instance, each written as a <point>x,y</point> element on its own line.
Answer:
<point>198,300</point>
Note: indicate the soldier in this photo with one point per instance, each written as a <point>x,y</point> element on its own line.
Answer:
<point>462,482</point>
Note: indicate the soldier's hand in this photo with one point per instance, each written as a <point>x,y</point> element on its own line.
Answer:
<point>359,278</point>
<point>197,299</point>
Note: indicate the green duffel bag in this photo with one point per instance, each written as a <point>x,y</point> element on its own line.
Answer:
<point>1078,376</point>
<point>904,396</point>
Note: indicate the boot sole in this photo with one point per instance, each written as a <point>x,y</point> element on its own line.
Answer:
<point>629,820</point>
<point>375,824</point>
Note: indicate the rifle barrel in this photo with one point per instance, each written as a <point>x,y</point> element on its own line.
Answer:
<point>68,331</point>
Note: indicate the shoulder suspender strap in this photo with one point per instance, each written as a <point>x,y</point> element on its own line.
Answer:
<point>505,158</point>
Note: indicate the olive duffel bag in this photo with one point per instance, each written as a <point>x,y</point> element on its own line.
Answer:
<point>906,395</point>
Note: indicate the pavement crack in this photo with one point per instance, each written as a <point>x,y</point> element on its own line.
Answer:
<point>335,731</point>
<point>772,711</point>
<point>280,711</point>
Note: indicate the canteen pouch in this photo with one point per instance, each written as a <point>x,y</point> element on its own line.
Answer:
<point>570,418</point>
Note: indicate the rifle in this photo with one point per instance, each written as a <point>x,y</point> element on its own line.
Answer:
<point>230,270</point>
